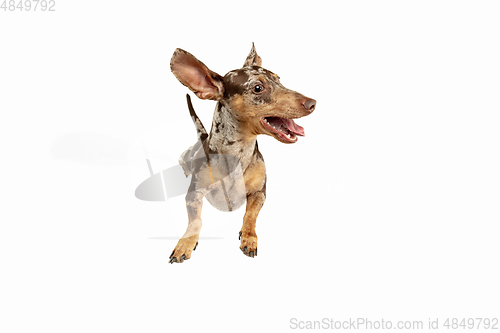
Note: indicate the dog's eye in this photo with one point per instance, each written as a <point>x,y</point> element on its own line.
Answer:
<point>258,88</point>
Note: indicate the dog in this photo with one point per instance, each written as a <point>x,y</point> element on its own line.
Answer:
<point>226,165</point>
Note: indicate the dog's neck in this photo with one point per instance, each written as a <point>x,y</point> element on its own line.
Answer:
<point>227,136</point>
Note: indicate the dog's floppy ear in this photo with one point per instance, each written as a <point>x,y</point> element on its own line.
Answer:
<point>253,58</point>
<point>196,76</point>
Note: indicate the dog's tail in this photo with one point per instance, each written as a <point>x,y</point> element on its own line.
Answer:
<point>187,157</point>
<point>200,129</point>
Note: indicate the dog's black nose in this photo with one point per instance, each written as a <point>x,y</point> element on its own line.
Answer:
<point>309,105</point>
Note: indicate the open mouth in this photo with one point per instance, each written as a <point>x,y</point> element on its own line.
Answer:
<point>285,130</point>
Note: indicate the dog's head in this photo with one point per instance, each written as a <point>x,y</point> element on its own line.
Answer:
<point>254,95</point>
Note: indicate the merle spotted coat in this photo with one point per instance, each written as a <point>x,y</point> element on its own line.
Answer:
<point>226,165</point>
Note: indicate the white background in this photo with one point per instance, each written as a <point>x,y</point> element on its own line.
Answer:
<point>387,209</point>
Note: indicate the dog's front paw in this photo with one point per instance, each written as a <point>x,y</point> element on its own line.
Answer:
<point>248,244</point>
<point>183,249</point>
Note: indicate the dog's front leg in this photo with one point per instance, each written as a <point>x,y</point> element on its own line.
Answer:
<point>189,241</point>
<point>248,236</point>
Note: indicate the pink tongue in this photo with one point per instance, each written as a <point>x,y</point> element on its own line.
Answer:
<point>293,127</point>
